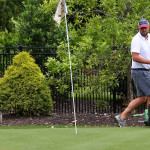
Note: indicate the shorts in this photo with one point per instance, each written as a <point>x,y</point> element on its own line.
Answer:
<point>141,80</point>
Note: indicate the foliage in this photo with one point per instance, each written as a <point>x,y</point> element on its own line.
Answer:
<point>59,72</point>
<point>35,25</point>
<point>101,42</point>
<point>100,32</point>
<point>9,9</point>
<point>8,39</point>
<point>81,11</point>
<point>24,89</point>
<point>8,12</point>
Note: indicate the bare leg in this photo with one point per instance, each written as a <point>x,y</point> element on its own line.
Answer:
<point>132,105</point>
<point>148,101</point>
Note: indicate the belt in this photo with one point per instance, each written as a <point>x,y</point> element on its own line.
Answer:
<point>142,69</point>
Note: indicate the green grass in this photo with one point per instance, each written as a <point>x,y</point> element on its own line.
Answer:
<point>88,138</point>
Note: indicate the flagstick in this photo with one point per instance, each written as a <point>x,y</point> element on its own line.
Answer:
<point>71,76</point>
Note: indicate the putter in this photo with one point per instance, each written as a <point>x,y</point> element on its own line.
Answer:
<point>147,116</point>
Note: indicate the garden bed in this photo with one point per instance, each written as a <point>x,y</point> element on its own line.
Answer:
<point>68,120</point>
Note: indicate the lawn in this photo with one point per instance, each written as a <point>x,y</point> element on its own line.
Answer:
<point>88,138</point>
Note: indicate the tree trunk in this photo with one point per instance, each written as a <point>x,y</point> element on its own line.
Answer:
<point>129,84</point>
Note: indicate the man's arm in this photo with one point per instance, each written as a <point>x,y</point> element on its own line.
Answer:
<point>139,59</point>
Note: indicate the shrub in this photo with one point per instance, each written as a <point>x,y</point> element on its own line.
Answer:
<point>24,89</point>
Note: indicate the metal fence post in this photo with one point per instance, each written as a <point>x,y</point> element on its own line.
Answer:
<point>20,48</point>
<point>114,100</point>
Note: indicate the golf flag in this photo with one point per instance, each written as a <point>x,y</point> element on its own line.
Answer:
<point>60,11</point>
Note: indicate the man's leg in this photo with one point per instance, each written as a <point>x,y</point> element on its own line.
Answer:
<point>132,105</point>
<point>148,101</point>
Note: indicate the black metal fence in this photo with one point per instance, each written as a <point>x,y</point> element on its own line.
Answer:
<point>39,53</point>
<point>109,100</point>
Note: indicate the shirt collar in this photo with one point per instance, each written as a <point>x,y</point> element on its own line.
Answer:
<point>142,37</point>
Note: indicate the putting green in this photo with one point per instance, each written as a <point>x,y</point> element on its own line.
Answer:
<point>94,138</point>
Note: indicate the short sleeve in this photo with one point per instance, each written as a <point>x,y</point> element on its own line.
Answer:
<point>135,45</point>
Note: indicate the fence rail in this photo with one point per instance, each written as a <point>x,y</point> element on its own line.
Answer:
<point>107,101</point>
<point>40,55</point>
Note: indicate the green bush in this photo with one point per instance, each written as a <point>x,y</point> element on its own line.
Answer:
<point>24,89</point>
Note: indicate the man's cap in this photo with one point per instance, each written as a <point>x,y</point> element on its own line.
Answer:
<point>143,23</point>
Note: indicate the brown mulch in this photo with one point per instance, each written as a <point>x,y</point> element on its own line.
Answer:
<point>68,120</point>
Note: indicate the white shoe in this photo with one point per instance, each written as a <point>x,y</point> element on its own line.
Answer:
<point>120,121</point>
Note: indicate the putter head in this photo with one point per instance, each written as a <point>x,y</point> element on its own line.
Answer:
<point>146,123</point>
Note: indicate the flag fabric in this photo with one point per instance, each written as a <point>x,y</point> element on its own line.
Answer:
<point>60,11</point>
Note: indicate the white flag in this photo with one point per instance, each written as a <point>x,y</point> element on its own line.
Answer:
<point>60,12</point>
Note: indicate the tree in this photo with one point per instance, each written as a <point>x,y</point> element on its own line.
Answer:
<point>8,39</point>
<point>8,10</point>
<point>24,88</point>
<point>105,39</point>
<point>36,26</point>
<point>100,33</point>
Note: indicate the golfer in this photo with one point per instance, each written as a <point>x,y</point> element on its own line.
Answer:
<point>140,50</point>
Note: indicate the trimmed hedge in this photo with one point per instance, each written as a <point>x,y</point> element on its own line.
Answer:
<point>24,89</point>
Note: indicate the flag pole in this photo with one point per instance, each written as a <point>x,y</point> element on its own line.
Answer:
<point>62,12</point>
<point>71,76</point>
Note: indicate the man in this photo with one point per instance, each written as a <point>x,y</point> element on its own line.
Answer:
<point>140,50</point>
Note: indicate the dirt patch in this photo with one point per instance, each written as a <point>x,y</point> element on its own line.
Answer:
<point>68,120</point>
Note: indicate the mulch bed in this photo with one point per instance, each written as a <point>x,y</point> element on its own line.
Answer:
<point>68,120</point>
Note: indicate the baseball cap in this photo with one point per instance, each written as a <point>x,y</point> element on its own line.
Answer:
<point>143,23</point>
